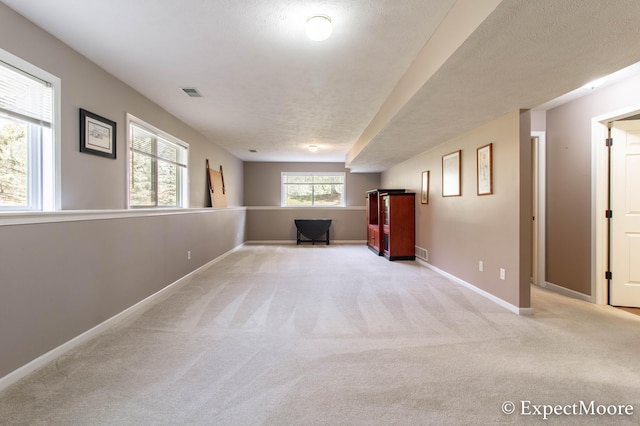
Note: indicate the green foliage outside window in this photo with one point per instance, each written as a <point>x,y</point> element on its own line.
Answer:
<point>13,163</point>
<point>156,171</point>
<point>313,190</point>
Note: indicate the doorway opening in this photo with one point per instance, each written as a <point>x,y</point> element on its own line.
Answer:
<point>604,246</point>
<point>538,196</point>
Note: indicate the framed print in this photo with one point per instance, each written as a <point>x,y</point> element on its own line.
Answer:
<point>451,174</point>
<point>485,169</point>
<point>97,135</point>
<point>424,191</point>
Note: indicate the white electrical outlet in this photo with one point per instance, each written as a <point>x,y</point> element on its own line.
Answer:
<point>481,266</point>
<point>503,274</point>
<point>189,255</point>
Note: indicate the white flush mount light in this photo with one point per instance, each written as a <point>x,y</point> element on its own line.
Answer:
<point>313,148</point>
<point>319,27</point>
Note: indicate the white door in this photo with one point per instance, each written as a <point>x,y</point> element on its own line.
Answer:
<point>625,203</point>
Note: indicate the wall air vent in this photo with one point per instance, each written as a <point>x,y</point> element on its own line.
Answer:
<point>192,92</point>
<point>422,253</point>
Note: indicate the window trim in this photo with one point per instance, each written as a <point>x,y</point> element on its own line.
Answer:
<point>50,176</point>
<point>343,202</point>
<point>183,202</point>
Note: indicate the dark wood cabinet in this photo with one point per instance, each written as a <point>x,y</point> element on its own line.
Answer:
<point>391,223</point>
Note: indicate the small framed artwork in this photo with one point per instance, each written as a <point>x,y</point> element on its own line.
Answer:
<point>451,174</point>
<point>485,169</point>
<point>424,191</point>
<point>97,135</point>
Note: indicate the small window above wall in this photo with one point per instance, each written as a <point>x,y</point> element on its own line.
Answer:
<point>301,189</point>
<point>29,138</point>
<point>157,171</point>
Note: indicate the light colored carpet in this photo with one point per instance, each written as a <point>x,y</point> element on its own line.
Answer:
<point>334,335</point>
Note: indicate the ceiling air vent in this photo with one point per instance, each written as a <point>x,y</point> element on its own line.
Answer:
<point>190,91</point>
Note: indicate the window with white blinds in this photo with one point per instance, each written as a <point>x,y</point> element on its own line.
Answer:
<point>157,167</point>
<point>25,97</point>
<point>27,151</point>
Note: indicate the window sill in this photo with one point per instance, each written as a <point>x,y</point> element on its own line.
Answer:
<point>305,208</point>
<point>25,218</point>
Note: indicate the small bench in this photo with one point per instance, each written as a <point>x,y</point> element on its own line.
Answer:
<point>312,229</point>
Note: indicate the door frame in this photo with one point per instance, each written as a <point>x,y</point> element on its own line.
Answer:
<point>539,194</point>
<point>599,200</point>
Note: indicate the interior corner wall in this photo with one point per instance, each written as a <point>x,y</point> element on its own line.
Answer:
<point>459,232</point>
<point>569,179</point>
<point>91,182</point>
<point>268,221</point>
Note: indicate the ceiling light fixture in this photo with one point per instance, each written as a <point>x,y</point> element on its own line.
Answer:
<point>319,27</point>
<point>313,148</point>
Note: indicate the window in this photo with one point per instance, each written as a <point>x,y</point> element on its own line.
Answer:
<point>157,167</point>
<point>312,189</point>
<point>28,155</point>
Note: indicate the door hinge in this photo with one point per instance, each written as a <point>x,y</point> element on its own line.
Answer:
<point>608,275</point>
<point>608,214</point>
<point>608,142</point>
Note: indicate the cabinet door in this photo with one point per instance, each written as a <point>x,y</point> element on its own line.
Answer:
<point>385,210</point>
<point>386,222</point>
<point>372,209</point>
<point>399,238</point>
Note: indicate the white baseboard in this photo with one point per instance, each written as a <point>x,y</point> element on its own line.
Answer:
<point>290,242</point>
<point>567,292</point>
<point>46,358</point>
<point>270,242</point>
<point>515,309</point>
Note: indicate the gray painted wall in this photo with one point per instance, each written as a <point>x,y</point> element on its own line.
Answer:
<point>569,171</point>
<point>267,221</point>
<point>61,279</point>
<point>460,231</point>
<point>263,181</point>
<point>277,224</point>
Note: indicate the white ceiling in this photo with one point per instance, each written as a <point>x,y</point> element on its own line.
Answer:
<point>395,79</point>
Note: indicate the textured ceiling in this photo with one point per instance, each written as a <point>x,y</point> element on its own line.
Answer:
<point>523,55</point>
<point>391,82</point>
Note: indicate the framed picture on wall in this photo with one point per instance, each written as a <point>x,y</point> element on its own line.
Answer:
<point>424,191</point>
<point>97,135</point>
<point>484,169</point>
<point>451,174</point>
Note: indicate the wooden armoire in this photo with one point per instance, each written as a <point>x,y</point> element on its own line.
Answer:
<point>391,223</point>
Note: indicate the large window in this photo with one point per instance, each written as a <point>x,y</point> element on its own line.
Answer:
<point>157,167</point>
<point>312,189</point>
<point>27,151</point>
